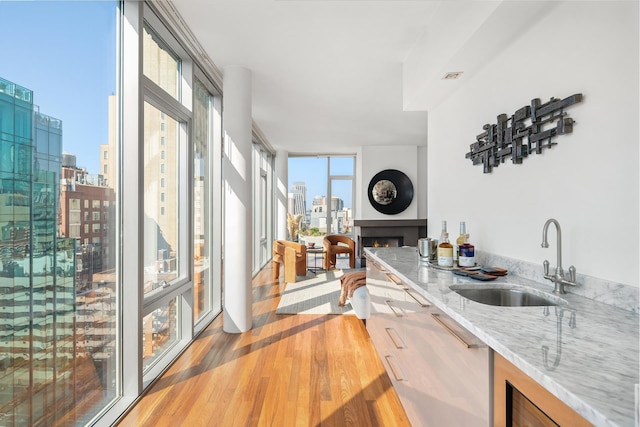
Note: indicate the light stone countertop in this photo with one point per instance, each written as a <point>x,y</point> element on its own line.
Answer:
<point>592,363</point>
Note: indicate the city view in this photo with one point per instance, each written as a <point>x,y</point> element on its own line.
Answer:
<point>58,206</point>
<point>315,213</point>
<point>57,283</point>
<point>60,290</point>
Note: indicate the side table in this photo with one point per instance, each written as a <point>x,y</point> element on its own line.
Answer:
<point>315,251</point>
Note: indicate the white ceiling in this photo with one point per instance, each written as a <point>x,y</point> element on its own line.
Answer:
<point>328,75</point>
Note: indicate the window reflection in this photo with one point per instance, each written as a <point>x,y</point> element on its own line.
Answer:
<point>57,260</point>
<point>160,199</point>
<point>160,332</point>
<point>202,137</point>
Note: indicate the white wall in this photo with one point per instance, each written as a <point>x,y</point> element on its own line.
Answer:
<point>407,159</point>
<point>588,182</point>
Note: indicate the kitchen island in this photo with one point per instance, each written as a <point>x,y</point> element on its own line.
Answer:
<point>585,353</point>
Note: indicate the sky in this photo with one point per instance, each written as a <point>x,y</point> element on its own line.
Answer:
<point>70,72</point>
<point>313,172</point>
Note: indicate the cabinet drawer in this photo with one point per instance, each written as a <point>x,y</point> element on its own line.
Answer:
<point>440,371</point>
<point>450,368</point>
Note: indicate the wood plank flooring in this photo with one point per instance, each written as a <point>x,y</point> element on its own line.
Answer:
<point>289,370</point>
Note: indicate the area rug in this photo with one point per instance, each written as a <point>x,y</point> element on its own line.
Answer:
<point>316,294</point>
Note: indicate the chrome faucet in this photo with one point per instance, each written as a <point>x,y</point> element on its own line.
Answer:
<point>558,279</point>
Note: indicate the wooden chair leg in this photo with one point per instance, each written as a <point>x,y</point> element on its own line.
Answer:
<point>276,271</point>
<point>290,265</point>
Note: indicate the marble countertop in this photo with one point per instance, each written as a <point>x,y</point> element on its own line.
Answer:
<point>592,349</point>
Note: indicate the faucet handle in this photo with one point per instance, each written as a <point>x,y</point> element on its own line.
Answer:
<point>545,267</point>
<point>572,274</point>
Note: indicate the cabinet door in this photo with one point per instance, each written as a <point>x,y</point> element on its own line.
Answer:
<point>439,381</point>
<point>518,396</point>
<point>448,377</point>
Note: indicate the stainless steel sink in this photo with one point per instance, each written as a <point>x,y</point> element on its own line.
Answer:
<point>506,295</point>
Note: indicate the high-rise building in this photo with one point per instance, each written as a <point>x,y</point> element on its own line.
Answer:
<point>41,374</point>
<point>297,199</point>
<point>108,150</point>
<point>87,209</point>
<point>320,206</point>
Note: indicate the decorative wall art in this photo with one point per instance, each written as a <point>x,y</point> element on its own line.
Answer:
<point>390,191</point>
<point>527,131</point>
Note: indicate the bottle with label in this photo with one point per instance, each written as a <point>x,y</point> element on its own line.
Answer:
<point>444,229</point>
<point>466,253</point>
<point>459,241</point>
<point>445,251</point>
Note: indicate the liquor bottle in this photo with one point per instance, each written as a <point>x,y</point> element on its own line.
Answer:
<point>459,241</point>
<point>444,229</point>
<point>466,253</point>
<point>445,251</point>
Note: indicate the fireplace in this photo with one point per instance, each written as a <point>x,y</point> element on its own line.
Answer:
<point>388,232</point>
<point>382,242</point>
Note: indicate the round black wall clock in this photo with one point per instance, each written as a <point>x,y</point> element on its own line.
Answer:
<point>390,191</point>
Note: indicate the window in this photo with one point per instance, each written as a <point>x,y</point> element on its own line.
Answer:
<point>262,191</point>
<point>330,211</point>
<point>160,64</point>
<point>43,363</point>
<point>206,287</point>
<point>177,199</point>
<point>161,231</point>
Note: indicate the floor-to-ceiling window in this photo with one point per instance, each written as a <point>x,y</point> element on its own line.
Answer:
<point>110,206</point>
<point>263,205</point>
<point>181,283</point>
<point>58,271</point>
<point>206,200</point>
<point>321,195</point>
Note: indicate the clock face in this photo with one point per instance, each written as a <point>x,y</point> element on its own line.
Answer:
<point>390,191</point>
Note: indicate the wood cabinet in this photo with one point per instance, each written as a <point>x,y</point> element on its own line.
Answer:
<point>440,371</point>
<point>521,401</point>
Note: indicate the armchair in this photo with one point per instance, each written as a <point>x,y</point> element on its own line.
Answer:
<point>335,244</point>
<point>293,256</point>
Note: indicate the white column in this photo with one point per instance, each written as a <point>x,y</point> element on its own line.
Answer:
<point>238,199</point>
<point>282,193</point>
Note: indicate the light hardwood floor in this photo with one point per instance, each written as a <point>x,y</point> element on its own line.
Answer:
<point>289,370</point>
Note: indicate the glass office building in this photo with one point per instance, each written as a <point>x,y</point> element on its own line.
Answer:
<point>38,364</point>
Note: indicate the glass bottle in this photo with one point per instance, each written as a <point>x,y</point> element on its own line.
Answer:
<point>444,229</point>
<point>459,241</point>
<point>466,253</point>
<point>445,251</point>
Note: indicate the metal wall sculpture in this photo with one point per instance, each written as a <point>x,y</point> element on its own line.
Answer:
<point>527,131</point>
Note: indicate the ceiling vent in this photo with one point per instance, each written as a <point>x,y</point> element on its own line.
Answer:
<point>452,75</point>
